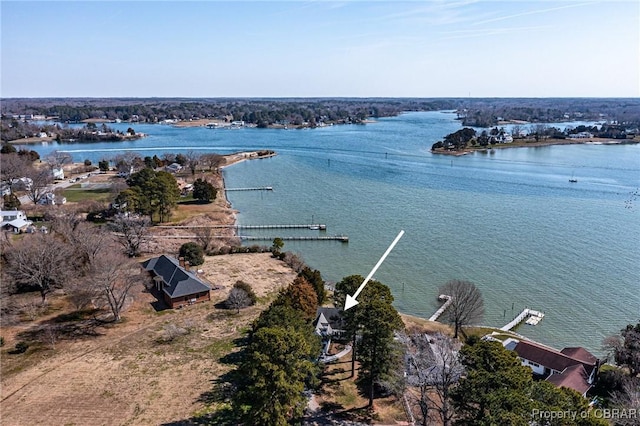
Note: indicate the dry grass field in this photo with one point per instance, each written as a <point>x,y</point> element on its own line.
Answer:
<point>133,373</point>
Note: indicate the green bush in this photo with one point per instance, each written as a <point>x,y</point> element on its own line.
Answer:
<point>21,347</point>
<point>192,253</point>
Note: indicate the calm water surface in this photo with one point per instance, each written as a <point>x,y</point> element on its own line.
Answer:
<point>508,220</point>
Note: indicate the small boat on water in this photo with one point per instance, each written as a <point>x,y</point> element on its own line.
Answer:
<point>573,180</point>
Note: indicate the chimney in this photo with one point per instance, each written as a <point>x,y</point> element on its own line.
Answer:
<point>181,261</point>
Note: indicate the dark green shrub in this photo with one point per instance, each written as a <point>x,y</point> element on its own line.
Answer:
<point>192,253</point>
<point>20,348</point>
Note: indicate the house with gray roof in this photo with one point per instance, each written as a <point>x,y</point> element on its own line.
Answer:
<point>329,322</point>
<point>175,282</point>
<point>14,220</point>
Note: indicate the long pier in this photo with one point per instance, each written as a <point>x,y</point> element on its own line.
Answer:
<point>312,226</point>
<point>257,188</point>
<point>341,238</point>
<point>448,300</point>
<point>536,316</point>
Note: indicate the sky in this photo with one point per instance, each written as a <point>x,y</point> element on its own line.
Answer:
<point>429,48</point>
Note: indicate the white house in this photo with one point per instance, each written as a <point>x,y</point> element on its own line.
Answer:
<point>22,184</point>
<point>58,173</point>
<point>50,199</point>
<point>328,322</point>
<point>14,220</point>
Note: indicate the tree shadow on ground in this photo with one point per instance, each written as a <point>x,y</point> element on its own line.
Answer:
<point>221,392</point>
<point>193,202</point>
<point>331,413</point>
<point>70,326</point>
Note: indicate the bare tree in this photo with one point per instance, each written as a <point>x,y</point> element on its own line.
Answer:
<point>40,180</point>
<point>80,293</point>
<point>87,240</point>
<point>57,159</point>
<point>433,370</point>
<point>212,161</point>
<point>237,299</point>
<point>12,167</point>
<point>42,261</point>
<point>628,399</point>
<point>204,236</point>
<point>133,233</point>
<point>112,277</point>
<point>467,304</point>
<point>50,335</point>
<point>193,159</point>
<point>128,162</point>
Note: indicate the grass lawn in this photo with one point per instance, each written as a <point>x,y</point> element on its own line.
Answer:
<point>74,195</point>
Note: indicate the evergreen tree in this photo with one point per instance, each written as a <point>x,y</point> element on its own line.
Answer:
<point>204,191</point>
<point>192,253</point>
<point>496,388</point>
<point>378,354</point>
<point>314,277</point>
<point>276,368</point>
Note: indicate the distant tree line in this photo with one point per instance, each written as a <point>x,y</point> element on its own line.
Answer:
<point>489,112</point>
<point>261,112</point>
<point>12,129</point>
<point>476,112</point>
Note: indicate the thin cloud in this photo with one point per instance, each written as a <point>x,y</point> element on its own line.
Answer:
<point>532,12</point>
<point>461,34</point>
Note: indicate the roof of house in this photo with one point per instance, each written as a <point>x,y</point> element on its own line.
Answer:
<point>552,358</point>
<point>574,377</point>
<point>332,315</point>
<point>179,282</point>
<point>580,354</point>
<point>19,223</point>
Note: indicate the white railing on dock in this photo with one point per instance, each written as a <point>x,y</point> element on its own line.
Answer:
<point>526,313</point>
<point>448,300</point>
<point>257,188</point>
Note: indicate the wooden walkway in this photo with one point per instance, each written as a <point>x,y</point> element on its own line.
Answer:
<point>341,238</point>
<point>257,188</point>
<point>532,317</point>
<point>448,300</point>
<point>312,226</point>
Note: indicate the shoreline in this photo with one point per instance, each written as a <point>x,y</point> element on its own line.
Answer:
<point>533,144</point>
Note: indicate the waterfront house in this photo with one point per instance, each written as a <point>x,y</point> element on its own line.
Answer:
<point>328,322</point>
<point>175,283</point>
<point>574,368</point>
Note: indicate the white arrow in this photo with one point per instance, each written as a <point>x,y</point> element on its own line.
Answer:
<point>351,301</point>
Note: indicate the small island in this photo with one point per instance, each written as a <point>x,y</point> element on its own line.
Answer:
<point>467,140</point>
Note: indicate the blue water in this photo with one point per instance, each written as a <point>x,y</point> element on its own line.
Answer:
<point>508,220</point>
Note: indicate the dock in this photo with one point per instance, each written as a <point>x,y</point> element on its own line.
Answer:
<point>257,188</point>
<point>341,238</point>
<point>312,226</point>
<point>532,318</point>
<point>448,300</point>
